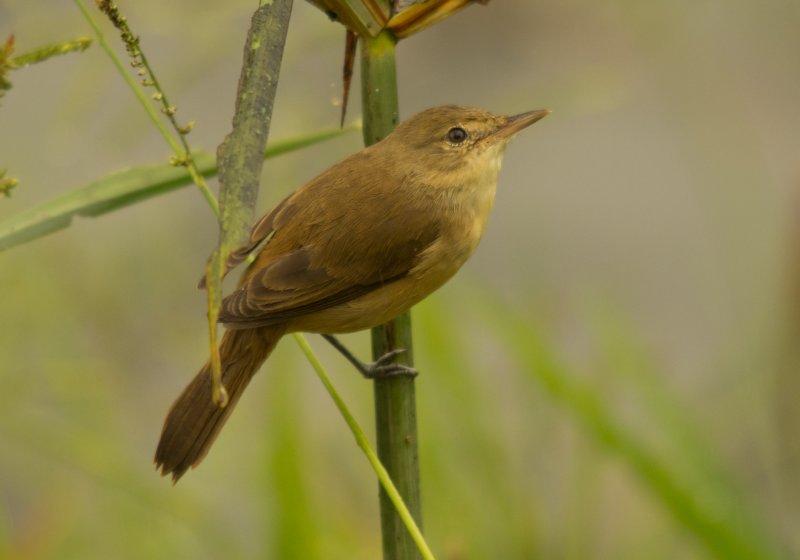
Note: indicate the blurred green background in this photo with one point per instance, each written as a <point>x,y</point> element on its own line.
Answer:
<point>613,375</point>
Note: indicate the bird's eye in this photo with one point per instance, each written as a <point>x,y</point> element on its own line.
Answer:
<point>457,135</point>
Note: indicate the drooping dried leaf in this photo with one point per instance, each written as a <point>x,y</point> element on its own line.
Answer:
<point>350,44</point>
<point>418,15</point>
<point>365,17</point>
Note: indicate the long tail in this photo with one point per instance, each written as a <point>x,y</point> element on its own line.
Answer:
<point>194,421</point>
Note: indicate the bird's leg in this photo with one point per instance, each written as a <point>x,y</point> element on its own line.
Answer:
<point>382,367</point>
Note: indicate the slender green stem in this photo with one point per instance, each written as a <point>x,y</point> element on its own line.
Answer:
<point>179,147</point>
<point>363,443</point>
<point>395,404</point>
<point>144,100</point>
<point>43,53</point>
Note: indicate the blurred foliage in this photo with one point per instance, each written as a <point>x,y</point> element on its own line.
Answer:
<point>632,298</point>
<point>8,63</point>
<point>7,183</point>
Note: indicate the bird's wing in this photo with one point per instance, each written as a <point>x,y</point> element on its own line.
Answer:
<point>327,250</point>
<point>260,231</point>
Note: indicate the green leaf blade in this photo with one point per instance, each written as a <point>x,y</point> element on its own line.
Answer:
<point>126,187</point>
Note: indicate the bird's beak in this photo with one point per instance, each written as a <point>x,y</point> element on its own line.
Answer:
<point>518,122</point>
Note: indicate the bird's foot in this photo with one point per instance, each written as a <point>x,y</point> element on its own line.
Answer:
<point>383,367</point>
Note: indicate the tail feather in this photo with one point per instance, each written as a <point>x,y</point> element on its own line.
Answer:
<point>194,421</point>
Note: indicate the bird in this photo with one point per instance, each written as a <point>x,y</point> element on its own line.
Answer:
<point>351,249</point>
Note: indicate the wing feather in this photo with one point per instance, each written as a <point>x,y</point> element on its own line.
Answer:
<point>334,240</point>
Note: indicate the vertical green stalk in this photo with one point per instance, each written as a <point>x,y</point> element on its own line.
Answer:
<point>240,157</point>
<point>395,405</point>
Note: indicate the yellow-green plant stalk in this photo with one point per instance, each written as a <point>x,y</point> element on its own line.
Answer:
<point>395,399</point>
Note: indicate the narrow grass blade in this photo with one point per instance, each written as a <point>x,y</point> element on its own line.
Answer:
<point>372,456</point>
<point>123,188</point>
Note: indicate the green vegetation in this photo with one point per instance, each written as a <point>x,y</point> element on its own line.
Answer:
<point>613,375</point>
